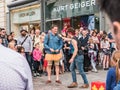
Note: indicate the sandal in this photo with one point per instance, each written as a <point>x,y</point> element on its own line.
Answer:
<point>58,81</point>
<point>48,81</point>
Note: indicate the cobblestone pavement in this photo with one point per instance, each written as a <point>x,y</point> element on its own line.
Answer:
<point>39,82</point>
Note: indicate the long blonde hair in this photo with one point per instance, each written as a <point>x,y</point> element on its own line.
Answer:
<point>116,59</point>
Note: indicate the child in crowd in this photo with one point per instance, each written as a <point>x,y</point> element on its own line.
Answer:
<point>37,55</point>
<point>92,54</point>
<point>21,50</point>
<point>11,45</point>
<point>111,75</point>
<point>105,46</point>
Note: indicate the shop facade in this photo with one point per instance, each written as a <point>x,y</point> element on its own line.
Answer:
<point>75,13</point>
<point>24,14</point>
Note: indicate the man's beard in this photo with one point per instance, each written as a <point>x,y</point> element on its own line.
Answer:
<point>23,35</point>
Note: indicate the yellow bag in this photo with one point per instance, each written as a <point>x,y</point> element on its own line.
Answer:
<point>53,57</point>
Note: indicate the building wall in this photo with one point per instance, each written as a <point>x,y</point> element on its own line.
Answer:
<point>2,14</point>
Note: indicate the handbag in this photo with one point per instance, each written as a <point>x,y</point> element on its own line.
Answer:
<point>53,57</point>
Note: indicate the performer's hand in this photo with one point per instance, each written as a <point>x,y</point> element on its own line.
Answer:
<point>56,50</point>
<point>71,60</point>
<point>52,50</point>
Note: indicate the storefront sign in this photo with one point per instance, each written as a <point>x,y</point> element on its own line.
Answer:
<point>31,13</point>
<point>26,16</point>
<point>75,6</point>
<point>70,8</point>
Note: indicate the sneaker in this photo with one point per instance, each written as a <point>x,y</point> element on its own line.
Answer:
<point>34,74</point>
<point>73,85</point>
<point>85,86</point>
<point>37,74</point>
<point>94,71</point>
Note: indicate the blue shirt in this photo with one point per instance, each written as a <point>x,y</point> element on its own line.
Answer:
<point>15,73</point>
<point>111,79</point>
<point>53,42</point>
<point>117,87</point>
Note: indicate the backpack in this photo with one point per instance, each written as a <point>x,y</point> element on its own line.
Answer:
<point>80,52</point>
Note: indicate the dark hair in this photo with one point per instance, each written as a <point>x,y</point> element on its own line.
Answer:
<point>71,30</point>
<point>11,33</point>
<point>111,7</point>
<point>19,48</point>
<point>2,29</point>
<point>94,32</point>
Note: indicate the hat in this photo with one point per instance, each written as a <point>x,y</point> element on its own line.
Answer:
<point>23,30</point>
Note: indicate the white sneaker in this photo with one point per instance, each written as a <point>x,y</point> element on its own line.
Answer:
<point>94,71</point>
<point>34,74</point>
<point>37,74</point>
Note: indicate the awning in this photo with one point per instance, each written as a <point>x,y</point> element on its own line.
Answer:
<point>19,2</point>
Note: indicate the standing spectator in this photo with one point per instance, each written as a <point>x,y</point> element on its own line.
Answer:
<point>92,54</point>
<point>67,55</point>
<point>15,73</point>
<point>112,42</point>
<point>12,35</point>
<point>84,42</point>
<point>4,37</point>
<point>105,46</point>
<point>37,55</point>
<point>65,28</point>
<point>77,33</point>
<point>36,38</point>
<point>26,41</point>
<point>53,44</point>
<point>9,38</point>
<point>32,34</point>
<point>96,43</point>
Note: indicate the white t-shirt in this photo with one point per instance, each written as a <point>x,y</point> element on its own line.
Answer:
<point>105,44</point>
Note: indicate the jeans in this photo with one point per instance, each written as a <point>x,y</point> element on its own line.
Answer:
<point>78,62</point>
<point>29,60</point>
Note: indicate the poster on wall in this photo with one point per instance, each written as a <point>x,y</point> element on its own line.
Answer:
<point>91,22</point>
